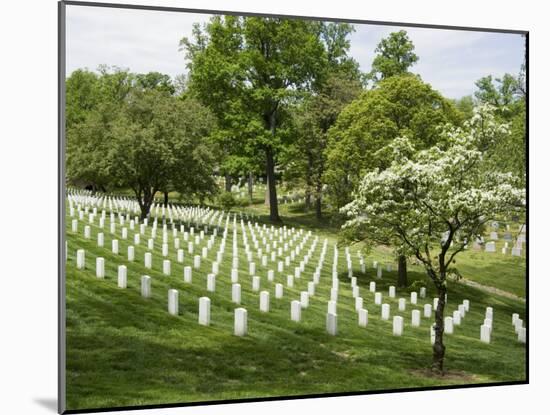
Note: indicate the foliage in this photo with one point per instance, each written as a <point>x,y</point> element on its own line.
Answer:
<point>226,201</point>
<point>359,141</point>
<point>131,132</point>
<point>508,96</point>
<point>157,140</point>
<point>250,71</point>
<point>437,201</point>
<point>395,55</point>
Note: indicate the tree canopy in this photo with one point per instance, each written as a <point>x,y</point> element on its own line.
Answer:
<point>395,55</point>
<point>436,201</point>
<point>358,143</point>
<point>137,135</point>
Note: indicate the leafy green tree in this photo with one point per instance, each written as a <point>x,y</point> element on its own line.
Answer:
<point>443,190</point>
<point>81,96</point>
<point>313,119</point>
<point>156,80</point>
<point>465,105</point>
<point>358,142</point>
<point>248,70</point>
<point>508,96</point>
<point>395,55</point>
<point>157,140</point>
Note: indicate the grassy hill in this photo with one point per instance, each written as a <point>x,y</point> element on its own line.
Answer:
<point>123,349</point>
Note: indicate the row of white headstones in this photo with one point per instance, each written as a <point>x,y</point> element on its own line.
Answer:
<point>240,315</point>
<point>516,249</point>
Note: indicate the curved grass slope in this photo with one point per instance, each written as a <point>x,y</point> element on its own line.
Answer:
<point>125,350</point>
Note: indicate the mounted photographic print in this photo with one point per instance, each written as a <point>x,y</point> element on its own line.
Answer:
<point>275,207</point>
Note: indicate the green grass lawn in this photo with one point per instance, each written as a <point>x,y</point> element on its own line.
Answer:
<point>125,350</point>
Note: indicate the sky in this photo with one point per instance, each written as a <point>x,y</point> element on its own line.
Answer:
<point>145,40</point>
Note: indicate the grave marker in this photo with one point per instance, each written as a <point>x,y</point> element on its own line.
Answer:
<point>122,276</point>
<point>241,324</point>
<point>173,302</point>
<point>204,311</point>
<point>145,286</point>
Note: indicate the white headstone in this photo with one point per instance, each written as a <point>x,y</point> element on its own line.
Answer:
<point>204,311</point>
<point>145,286</point>
<point>100,267</point>
<point>372,287</point>
<point>255,283</point>
<point>241,324</point>
<point>290,281</point>
<point>363,317</point>
<point>236,293</point>
<point>197,261</point>
<point>131,253</point>
<point>485,333</point>
<point>187,274</point>
<point>311,288</point>
<point>522,334</point>
<point>332,324</point>
<point>391,291</point>
<point>397,325</point>
<point>385,311</point>
<point>148,260</point>
<point>427,310</point>
<point>377,298</point>
<point>295,310</point>
<point>211,282</point>
<point>402,304</point>
<point>358,303</point>
<point>304,299</point>
<point>414,297</point>
<point>490,247</point>
<point>457,318</point>
<point>80,259</point>
<point>331,307</point>
<point>173,302</point>
<point>166,267</point>
<point>264,301</point>
<point>415,318</point>
<point>180,255</point>
<point>278,290</point>
<point>122,276</point>
<point>100,239</point>
<point>448,329</point>
<point>114,245</point>
<point>422,292</point>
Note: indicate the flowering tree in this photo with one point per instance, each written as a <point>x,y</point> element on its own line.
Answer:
<point>451,189</point>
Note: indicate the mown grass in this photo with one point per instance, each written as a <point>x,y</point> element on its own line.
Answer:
<point>124,350</point>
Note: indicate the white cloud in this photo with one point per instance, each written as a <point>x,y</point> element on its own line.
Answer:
<point>145,40</point>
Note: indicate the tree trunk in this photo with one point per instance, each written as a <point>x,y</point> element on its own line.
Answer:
<point>318,201</point>
<point>402,280</point>
<point>266,195</point>
<point>250,186</point>
<point>165,199</point>
<point>309,181</point>
<point>439,347</point>
<point>145,202</point>
<point>271,186</point>
<point>228,182</point>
